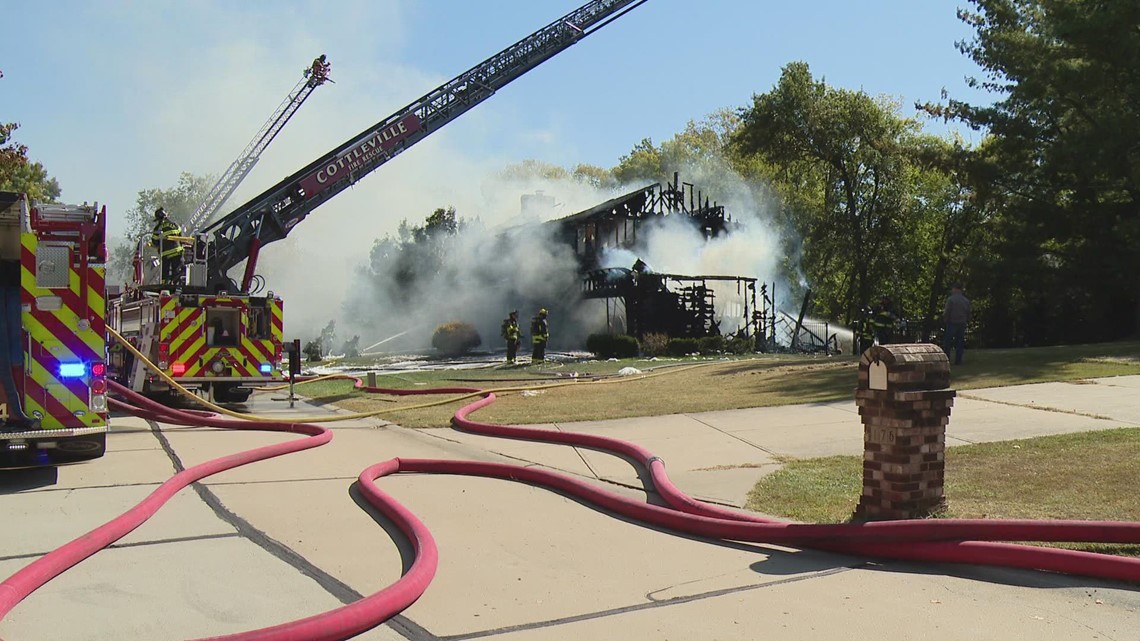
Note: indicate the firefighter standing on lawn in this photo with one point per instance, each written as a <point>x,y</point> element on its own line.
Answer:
<point>511,333</point>
<point>539,335</point>
<point>883,321</point>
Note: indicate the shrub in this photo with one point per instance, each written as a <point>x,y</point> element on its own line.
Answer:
<point>711,344</point>
<point>682,346</point>
<point>740,345</point>
<point>654,344</point>
<point>455,338</point>
<point>612,346</point>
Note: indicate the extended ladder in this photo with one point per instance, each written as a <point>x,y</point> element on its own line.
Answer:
<point>314,77</point>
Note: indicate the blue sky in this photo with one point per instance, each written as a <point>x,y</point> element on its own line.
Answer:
<point>115,97</point>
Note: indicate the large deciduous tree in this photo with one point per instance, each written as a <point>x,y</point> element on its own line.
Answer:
<point>843,161</point>
<point>1064,161</point>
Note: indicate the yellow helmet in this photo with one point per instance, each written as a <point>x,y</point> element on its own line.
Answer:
<point>542,312</point>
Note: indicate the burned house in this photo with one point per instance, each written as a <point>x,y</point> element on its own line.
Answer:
<point>640,301</point>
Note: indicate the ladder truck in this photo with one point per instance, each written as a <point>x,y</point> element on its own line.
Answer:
<point>168,328</point>
<point>173,327</point>
<point>53,344</point>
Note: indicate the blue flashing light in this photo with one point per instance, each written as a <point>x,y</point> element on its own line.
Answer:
<point>266,368</point>
<point>72,370</point>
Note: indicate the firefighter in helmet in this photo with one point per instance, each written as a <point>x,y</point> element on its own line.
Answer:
<point>883,321</point>
<point>539,335</point>
<point>162,236</point>
<point>511,333</point>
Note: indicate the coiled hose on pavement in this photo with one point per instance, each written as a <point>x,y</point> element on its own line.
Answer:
<point>939,540</point>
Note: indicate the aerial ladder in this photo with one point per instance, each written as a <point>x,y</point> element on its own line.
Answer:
<point>314,76</point>
<point>270,216</point>
<point>207,331</point>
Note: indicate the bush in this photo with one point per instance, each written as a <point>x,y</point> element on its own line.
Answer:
<point>682,346</point>
<point>455,338</point>
<point>711,344</point>
<point>654,344</point>
<point>740,345</point>
<point>612,346</point>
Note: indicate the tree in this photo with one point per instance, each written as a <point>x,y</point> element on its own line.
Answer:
<point>1063,162</point>
<point>852,151</point>
<point>18,173</point>
<point>401,265</point>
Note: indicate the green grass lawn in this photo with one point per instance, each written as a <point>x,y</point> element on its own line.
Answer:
<point>721,383</point>
<point>1084,476</point>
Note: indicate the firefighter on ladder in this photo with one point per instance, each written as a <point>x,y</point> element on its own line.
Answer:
<point>162,236</point>
<point>318,73</point>
<point>539,335</point>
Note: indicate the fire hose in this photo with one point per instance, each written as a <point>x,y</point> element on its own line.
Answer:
<point>948,540</point>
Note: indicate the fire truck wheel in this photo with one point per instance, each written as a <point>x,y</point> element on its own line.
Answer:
<point>79,448</point>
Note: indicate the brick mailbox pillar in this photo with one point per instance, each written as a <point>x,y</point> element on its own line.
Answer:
<point>904,399</point>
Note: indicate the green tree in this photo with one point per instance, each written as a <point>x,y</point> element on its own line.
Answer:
<point>852,151</point>
<point>19,174</point>
<point>1063,165</point>
<point>594,176</point>
<point>179,201</point>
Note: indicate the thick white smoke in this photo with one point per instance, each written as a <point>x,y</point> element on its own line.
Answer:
<point>504,260</point>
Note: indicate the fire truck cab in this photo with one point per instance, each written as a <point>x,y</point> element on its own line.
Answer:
<point>53,346</point>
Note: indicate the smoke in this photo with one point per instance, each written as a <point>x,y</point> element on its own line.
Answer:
<point>751,249</point>
<point>501,260</point>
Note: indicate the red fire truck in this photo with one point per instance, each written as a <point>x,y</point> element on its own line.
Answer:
<point>53,349</point>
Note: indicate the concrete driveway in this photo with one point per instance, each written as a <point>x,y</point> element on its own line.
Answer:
<point>286,538</point>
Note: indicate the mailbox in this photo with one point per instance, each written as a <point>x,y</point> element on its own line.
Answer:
<point>904,401</point>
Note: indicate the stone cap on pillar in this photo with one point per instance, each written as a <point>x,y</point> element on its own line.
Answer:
<point>894,369</point>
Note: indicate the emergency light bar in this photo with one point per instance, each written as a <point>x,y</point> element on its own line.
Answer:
<point>72,370</point>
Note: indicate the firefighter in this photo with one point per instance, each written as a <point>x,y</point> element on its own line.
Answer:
<point>319,71</point>
<point>170,250</point>
<point>511,333</point>
<point>883,320</point>
<point>539,335</point>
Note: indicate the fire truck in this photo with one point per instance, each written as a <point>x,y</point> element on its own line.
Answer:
<point>53,347</point>
<point>178,322</point>
<point>217,344</point>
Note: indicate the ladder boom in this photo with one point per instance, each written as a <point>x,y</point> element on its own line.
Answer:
<point>240,168</point>
<point>272,215</point>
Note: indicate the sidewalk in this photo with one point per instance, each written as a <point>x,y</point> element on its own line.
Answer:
<point>719,456</point>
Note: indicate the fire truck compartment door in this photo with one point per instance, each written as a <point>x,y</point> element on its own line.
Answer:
<point>53,266</point>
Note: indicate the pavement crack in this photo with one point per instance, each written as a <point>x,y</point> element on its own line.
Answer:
<point>137,544</point>
<point>734,436</point>
<point>1043,408</point>
<point>601,614</point>
<point>581,456</point>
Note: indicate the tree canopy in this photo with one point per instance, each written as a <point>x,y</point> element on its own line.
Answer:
<point>18,173</point>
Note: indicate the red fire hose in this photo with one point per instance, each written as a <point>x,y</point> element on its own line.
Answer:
<point>340,623</point>
<point>937,540</point>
